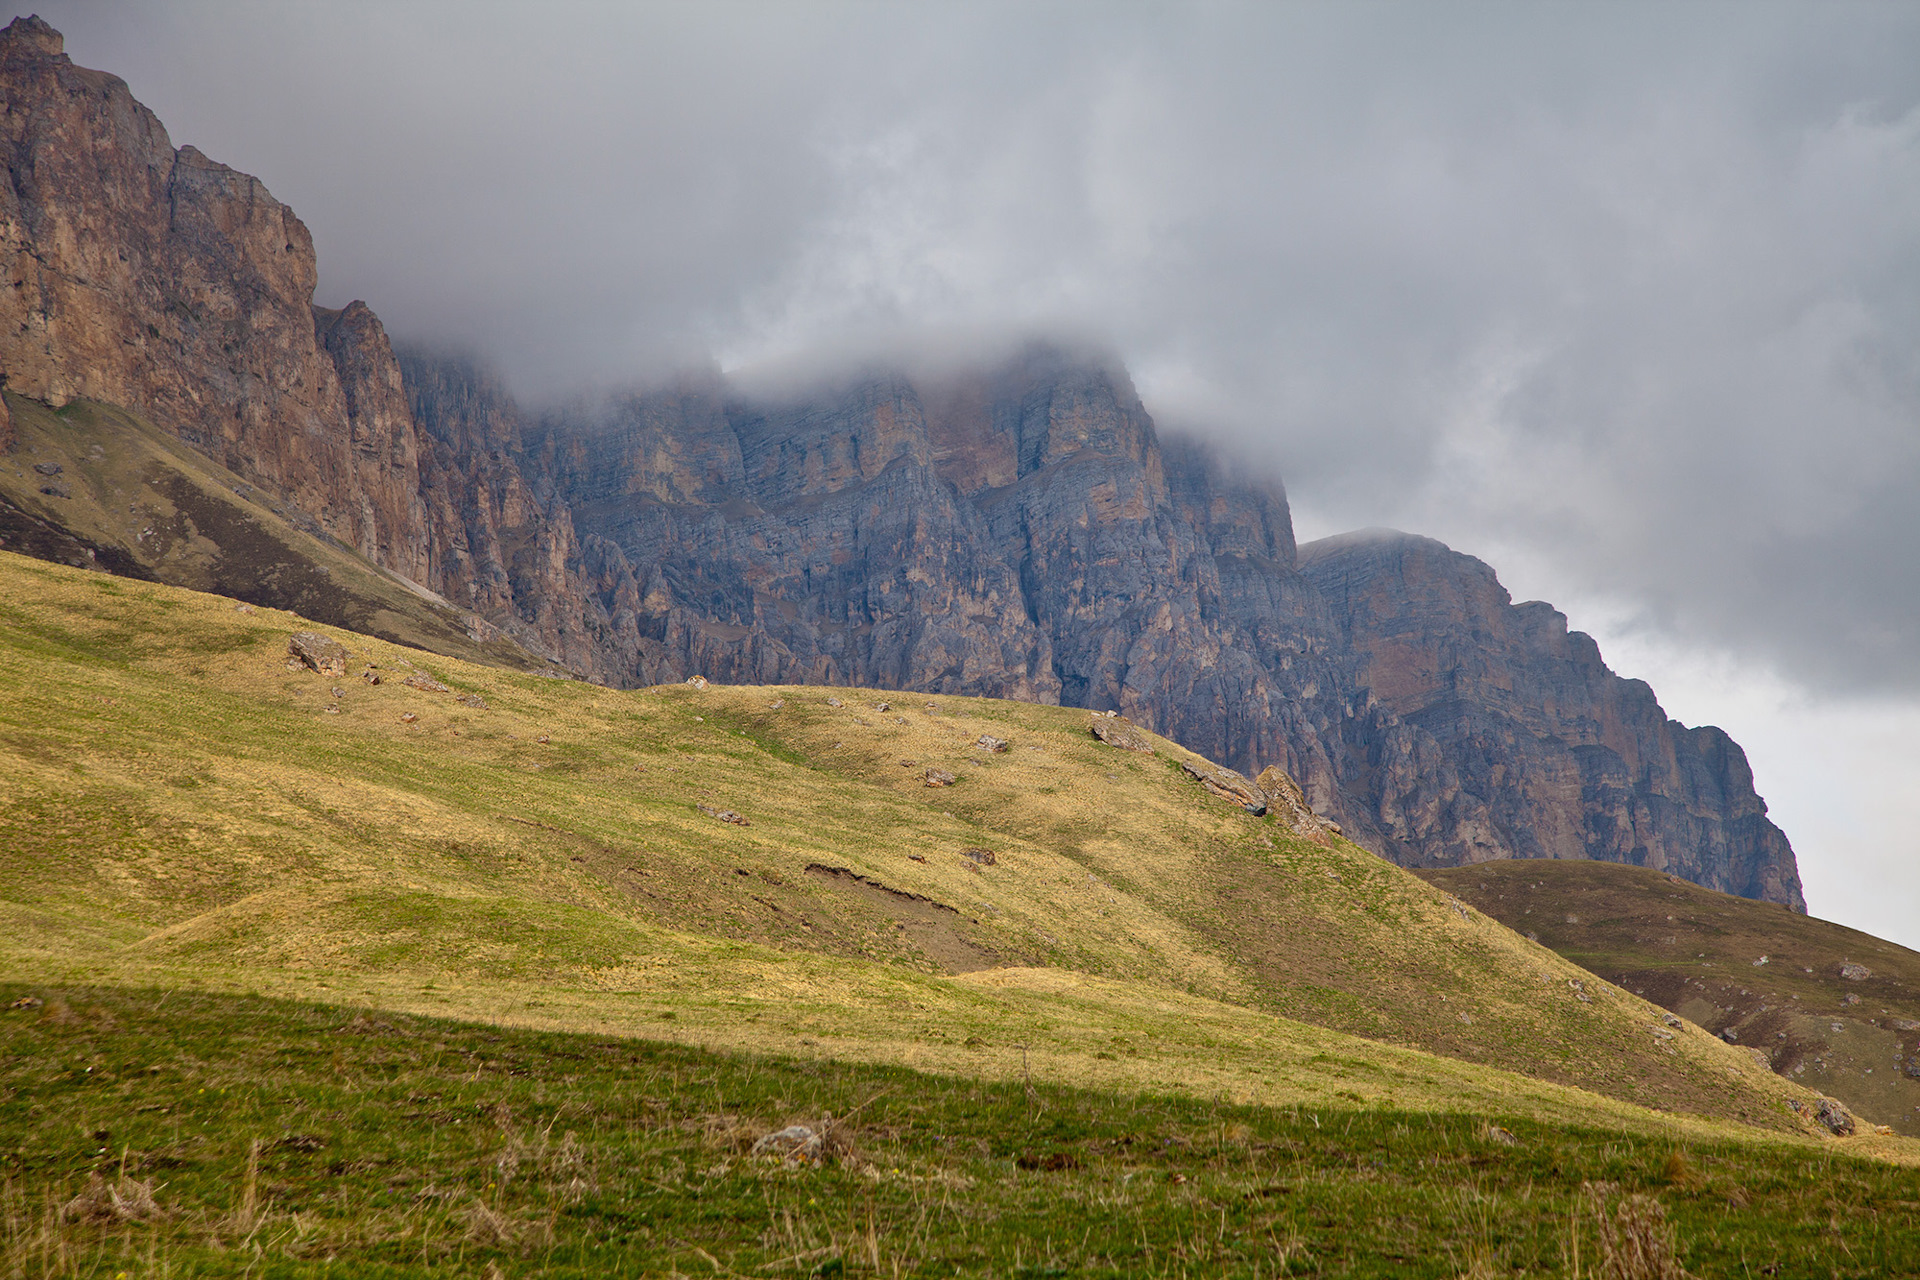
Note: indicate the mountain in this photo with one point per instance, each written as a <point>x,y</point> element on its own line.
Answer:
<point>1018,528</point>
<point>1821,1003</point>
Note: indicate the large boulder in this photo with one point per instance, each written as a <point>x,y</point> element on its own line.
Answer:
<point>1118,731</point>
<point>1228,785</point>
<point>318,653</point>
<point>1287,802</point>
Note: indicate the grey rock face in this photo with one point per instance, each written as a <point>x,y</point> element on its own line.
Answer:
<point>1501,733</point>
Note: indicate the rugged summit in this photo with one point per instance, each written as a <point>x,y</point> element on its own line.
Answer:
<point>1017,529</point>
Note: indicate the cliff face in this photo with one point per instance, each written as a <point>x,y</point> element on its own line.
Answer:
<point>1019,530</point>
<point>1507,736</point>
<point>159,281</point>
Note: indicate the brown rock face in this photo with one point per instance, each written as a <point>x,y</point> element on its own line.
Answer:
<point>163,282</point>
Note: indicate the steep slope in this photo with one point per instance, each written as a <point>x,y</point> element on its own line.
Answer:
<point>182,801</point>
<point>95,487</point>
<point>1825,1004</point>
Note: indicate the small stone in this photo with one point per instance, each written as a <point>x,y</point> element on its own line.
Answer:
<point>370,675</point>
<point>473,700</point>
<point>241,606</point>
<point>987,742</point>
<point>884,707</point>
<point>318,653</point>
<point>27,1002</point>
<point>48,468</point>
<point>724,815</point>
<point>1855,972</point>
<point>56,490</point>
<point>835,702</point>
<point>1850,998</point>
<point>776,704</point>
<point>981,857</point>
<point>338,692</point>
<point>421,680</point>
<point>1838,1120</point>
<point>332,711</point>
<point>795,1144</point>
<point>408,717</point>
<point>1502,1136</point>
<point>543,739</point>
<point>939,778</point>
<point>698,682</point>
<point>917,857</point>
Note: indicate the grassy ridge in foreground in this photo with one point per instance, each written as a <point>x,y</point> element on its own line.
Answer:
<point>181,1133</point>
<point>176,800</point>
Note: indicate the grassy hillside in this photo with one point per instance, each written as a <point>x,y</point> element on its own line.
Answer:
<point>156,1133</point>
<point>183,804</point>
<point>1830,1006</point>
<point>95,486</point>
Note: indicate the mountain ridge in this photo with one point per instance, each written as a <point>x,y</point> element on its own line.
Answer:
<point>1017,528</point>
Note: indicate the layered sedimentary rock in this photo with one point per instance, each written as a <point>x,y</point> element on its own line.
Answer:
<point>1015,530</point>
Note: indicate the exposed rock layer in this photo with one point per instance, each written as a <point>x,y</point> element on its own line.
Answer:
<point>1016,531</point>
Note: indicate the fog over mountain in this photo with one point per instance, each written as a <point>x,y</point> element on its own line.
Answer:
<point>1624,300</point>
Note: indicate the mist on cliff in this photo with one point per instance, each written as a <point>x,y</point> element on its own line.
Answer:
<point>1624,299</point>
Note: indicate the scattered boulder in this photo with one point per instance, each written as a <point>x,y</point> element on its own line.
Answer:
<point>421,680</point>
<point>48,468</point>
<point>56,490</point>
<point>987,742</point>
<point>241,606</point>
<point>1287,802</point>
<point>371,675</point>
<point>698,682</point>
<point>1227,784</point>
<point>776,704</point>
<point>834,702</point>
<point>1855,972</point>
<point>1834,1115</point>
<point>795,1144</point>
<point>724,815</point>
<point>338,692</point>
<point>27,1002</point>
<point>939,778</point>
<point>1505,1137</point>
<point>883,707</point>
<point>473,700</point>
<point>407,717</point>
<point>1118,731</point>
<point>982,857</point>
<point>318,653</point>
<point>1579,988</point>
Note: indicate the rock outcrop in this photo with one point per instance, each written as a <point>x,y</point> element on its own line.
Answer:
<point>1505,735</point>
<point>1017,530</point>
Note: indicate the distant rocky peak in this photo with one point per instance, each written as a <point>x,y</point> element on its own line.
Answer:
<point>31,37</point>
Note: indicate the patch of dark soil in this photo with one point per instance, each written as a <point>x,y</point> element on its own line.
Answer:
<point>933,927</point>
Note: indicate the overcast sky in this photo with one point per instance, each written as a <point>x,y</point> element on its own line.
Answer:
<point>1623,298</point>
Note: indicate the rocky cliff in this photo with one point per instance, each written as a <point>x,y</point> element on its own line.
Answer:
<point>1505,735</point>
<point>1017,530</point>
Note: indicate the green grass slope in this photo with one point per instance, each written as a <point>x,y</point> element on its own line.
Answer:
<point>180,806</point>
<point>132,500</point>
<point>1830,1006</point>
<point>169,1133</point>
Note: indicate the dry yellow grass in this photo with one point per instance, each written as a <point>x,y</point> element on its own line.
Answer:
<point>178,806</point>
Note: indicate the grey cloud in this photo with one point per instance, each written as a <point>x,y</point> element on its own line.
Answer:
<point>1636,287</point>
